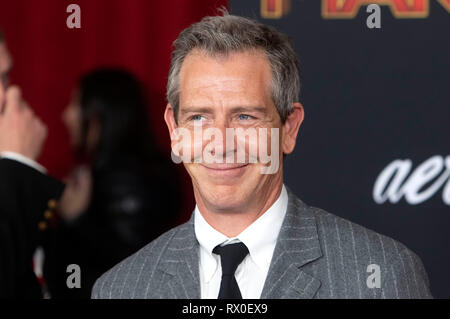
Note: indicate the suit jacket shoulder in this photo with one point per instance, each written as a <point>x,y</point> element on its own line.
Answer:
<point>148,272</point>
<point>355,262</point>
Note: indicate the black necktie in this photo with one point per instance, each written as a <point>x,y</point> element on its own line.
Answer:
<point>230,257</point>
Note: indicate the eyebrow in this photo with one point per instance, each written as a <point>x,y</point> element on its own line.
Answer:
<point>195,109</point>
<point>244,109</point>
<point>233,110</point>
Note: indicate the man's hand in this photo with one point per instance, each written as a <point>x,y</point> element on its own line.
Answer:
<point>21,131</point>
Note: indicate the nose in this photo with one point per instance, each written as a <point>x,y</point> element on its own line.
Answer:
<point>221,146</point>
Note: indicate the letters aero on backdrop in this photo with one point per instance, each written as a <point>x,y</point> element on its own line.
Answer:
<point>374,145</point>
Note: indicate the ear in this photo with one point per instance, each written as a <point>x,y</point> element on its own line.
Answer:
<point>290,128</point>
<point>169,117</point>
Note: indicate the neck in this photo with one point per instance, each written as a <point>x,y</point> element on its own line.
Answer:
<point>233,222</point>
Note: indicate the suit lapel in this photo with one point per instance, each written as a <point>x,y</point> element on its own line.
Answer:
<point>181,265</point>
<point>297,245</point>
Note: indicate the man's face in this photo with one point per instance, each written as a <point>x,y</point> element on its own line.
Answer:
<point>5,67</point>
<point>229,92</point>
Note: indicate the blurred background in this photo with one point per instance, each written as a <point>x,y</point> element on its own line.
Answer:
<point>374,146</point>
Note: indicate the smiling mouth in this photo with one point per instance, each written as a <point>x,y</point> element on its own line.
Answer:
<point>225,167</point>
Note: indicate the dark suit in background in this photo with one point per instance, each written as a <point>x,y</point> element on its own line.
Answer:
<point>25,196</point>
<point>125,213</point>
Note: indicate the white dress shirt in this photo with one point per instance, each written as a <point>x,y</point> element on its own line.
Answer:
<point>24,160</point>
<point>260,238</point>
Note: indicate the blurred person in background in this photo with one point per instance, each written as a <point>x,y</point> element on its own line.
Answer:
<point>26,191</point>
<point>122,196</point>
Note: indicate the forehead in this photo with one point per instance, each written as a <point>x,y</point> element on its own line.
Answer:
<point>238,75</point>
<point>5,58</point>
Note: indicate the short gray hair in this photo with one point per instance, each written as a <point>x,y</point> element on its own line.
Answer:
<point>228,33</point>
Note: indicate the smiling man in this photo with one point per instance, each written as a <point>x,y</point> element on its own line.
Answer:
<point>249,236</point>
<point>231,92</point>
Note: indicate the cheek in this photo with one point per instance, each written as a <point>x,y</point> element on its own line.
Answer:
<point>198,176</point>
<point>261,145</point>
<point>186,145</point>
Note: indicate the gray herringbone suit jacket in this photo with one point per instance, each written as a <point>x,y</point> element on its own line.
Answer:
<point>317,255</point>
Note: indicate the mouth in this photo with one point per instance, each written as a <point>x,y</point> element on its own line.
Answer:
<point>225,169</point>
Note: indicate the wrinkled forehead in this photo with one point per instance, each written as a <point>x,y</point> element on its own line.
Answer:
<point>237,74</point>
<point>5,58</point>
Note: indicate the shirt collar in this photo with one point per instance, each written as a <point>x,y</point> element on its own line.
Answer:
<point>208,238</point>
<point>260,237</point>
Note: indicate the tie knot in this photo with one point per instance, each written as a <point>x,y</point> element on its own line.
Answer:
<point>230,257</point>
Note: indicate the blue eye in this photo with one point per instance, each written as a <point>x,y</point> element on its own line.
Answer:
<point>245,117</point>
<point>197,117</point>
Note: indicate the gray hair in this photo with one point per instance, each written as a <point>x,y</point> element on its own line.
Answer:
<point>220,35</point>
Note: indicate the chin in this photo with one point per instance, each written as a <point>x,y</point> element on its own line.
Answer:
<point>226,197</point>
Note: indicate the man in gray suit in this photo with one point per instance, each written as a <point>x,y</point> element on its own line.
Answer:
<point>249,235</point>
